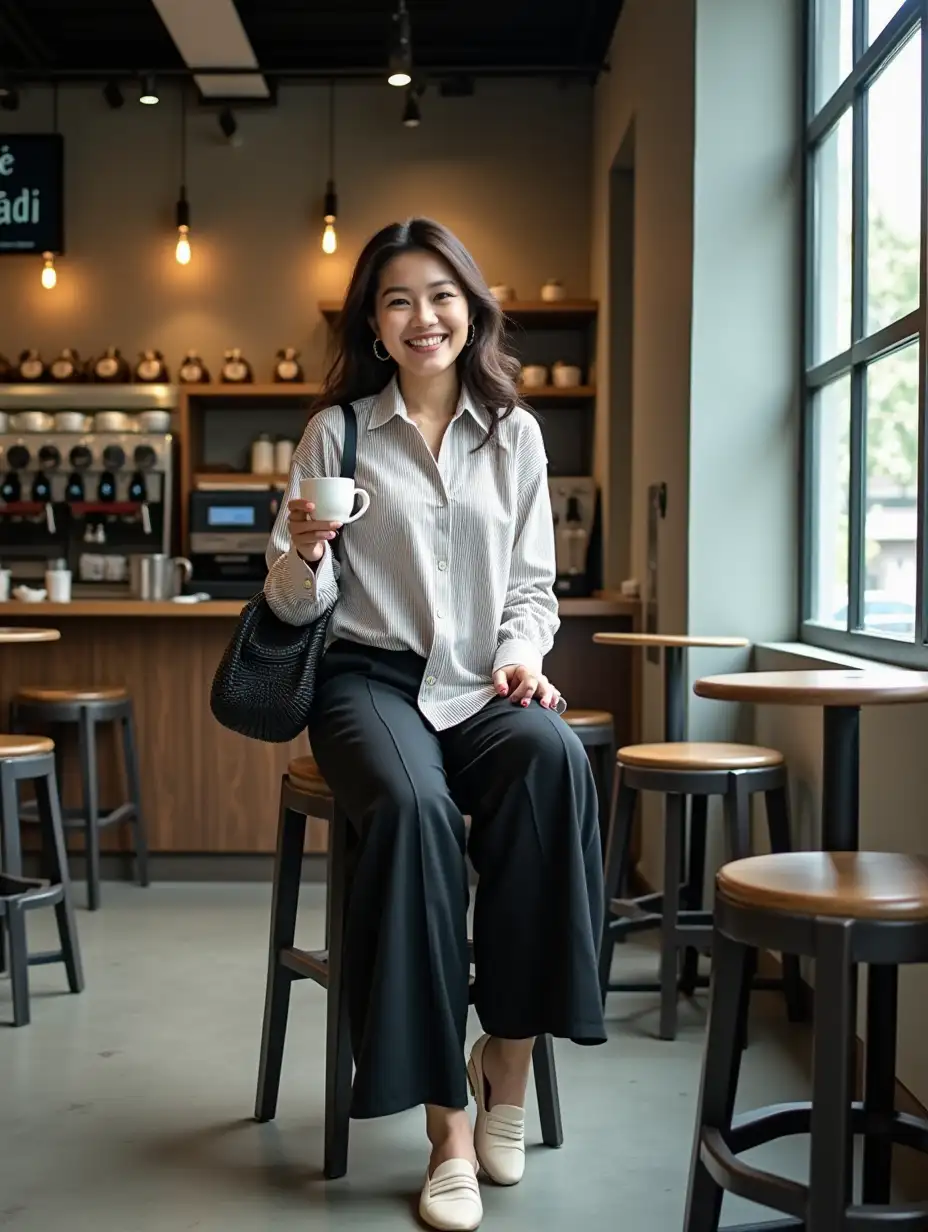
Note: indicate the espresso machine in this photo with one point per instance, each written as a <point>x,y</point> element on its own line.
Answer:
<point>229,533</point>
<point>91,498</point>
<point>575,508</point>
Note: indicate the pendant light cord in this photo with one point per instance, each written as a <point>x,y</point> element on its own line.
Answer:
<point>183,137</point>
<point>55,107</point>
<point>332,130</point>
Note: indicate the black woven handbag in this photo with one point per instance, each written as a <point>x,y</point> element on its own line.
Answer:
<point>266,679</point>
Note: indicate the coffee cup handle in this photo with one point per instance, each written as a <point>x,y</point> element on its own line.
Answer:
<point>365,504</point>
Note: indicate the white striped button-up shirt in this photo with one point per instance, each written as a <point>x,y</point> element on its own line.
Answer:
<point>454,560</point>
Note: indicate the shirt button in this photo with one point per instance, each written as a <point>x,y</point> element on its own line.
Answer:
<point>307,585</point>
<point>430,680</point>
<point>443,565</point>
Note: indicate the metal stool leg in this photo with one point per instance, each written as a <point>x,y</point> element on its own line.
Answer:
<point>831,1157</point>
<point>674,824</point>
<point>55,862</point>
<point>549,1104</point>
<point>732,972</point>
<point>288,862</point>
<point>780,831</point>
<point>338,1061</point>
<point>880,1082</point>
<point>134,784</point>
<point>695,884</point>
<point>19,964</point>
<point>87,739</point>
<point>620,832</point>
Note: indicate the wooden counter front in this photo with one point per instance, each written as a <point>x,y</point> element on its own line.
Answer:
<point>205,789</point>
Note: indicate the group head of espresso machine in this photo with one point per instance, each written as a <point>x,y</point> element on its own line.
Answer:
<point>92,498</point>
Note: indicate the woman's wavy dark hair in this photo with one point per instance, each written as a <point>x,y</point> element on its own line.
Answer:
<point>486,367</point>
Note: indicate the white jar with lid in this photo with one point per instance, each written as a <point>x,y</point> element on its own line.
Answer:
<point>283,456</point>
<point>262,455</point>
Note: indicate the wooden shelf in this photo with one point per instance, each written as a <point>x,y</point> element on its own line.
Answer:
<point>571,393</point>
<point>238,479</point>
<point>564,314</point>
<point>282,389</point>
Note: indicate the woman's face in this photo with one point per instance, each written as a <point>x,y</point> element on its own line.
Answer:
<point>421,313</point>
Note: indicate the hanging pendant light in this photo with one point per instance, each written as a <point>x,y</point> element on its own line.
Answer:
<point>330,205</point>
<point>49,273</point>
<point>182,208</point>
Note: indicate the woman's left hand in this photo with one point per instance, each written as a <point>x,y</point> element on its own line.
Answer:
<point>521,685</point>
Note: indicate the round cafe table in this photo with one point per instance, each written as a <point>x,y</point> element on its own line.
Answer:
<point>674,647</point>
<point>841,693</point>
<point>9,636</point>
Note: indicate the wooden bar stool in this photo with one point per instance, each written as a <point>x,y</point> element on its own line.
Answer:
<point>304,793</point>
<point>595,730</point>
<point>31,759</point>
<point>699,770</point>
<point>841,909</point>
<point>88,708</point>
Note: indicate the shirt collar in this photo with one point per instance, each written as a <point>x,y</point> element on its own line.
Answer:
<point>389,402</point>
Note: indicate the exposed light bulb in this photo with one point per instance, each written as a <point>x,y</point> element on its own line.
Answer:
<point>399,79</point>
<point>49,273</point>
<point>329,213</point>
<point>182,251</point>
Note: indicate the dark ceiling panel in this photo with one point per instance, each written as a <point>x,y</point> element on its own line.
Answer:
<point>70,36</point>
<point>74,34</point>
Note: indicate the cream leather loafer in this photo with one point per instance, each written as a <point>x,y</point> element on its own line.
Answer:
<point>451,1197</point>
<point>499,1134</point>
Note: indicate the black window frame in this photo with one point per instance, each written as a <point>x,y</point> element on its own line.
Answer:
<point>818,124</point>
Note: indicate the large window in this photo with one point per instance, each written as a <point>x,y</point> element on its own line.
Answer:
<point>866,537</point>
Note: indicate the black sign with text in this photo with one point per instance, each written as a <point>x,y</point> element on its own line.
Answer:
<point>32,193</point>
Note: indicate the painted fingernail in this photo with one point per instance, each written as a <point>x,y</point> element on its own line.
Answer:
<point>525,701</point>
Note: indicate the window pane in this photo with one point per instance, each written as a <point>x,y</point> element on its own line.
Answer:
<point>893,188</point>
<point>832,426</point>
<point>891,494</point>
<point>834,46</point>
<point>879,14</point>
<point>832,241</point>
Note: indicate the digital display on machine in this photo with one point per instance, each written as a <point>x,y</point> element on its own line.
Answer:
<point>230,515</point>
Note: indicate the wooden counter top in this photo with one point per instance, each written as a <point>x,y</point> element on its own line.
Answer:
<point>607,606</point>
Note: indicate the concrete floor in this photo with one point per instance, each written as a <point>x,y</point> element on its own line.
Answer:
<point>128,1108</point>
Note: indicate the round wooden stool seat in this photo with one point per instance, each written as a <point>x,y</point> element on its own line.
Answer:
<point>25,746</point>
<point>304,774</point>
<point>855,885</point>
<point>697,755</point>
<point>102,693</point>
<point>587,718</point>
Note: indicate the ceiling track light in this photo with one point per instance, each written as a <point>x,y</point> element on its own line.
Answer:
<point>113,95</point>
<point>229,126</point>
<point>412,113</point>
<point>400,61</point>
<point>148,93</point>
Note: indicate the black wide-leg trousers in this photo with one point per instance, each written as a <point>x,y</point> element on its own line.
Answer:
<point>524,779</point>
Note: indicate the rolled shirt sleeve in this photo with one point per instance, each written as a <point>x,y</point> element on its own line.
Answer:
<point>530,613</point>
<point>296,592</point>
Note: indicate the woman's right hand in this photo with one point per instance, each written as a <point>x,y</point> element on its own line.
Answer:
<point>308,536</point>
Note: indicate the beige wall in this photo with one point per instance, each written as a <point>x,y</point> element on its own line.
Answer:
<point>508,169</point>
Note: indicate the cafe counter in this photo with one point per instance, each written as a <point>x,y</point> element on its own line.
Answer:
<point>207,791</point>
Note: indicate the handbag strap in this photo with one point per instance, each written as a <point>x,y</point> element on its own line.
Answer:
<point>350,448</point>
<point>349,458</point>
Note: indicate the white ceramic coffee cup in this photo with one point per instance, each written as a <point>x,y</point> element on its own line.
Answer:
<point>334,499</point>
<point>58,585</point>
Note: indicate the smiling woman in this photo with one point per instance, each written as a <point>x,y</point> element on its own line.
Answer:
<point>431,703</point>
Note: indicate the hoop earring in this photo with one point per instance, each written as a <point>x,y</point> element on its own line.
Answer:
<point>471,334</point>
<point>383,358</point>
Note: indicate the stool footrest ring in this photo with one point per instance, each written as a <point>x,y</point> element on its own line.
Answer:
<point>306,964</point>
<point>745,1181</point>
